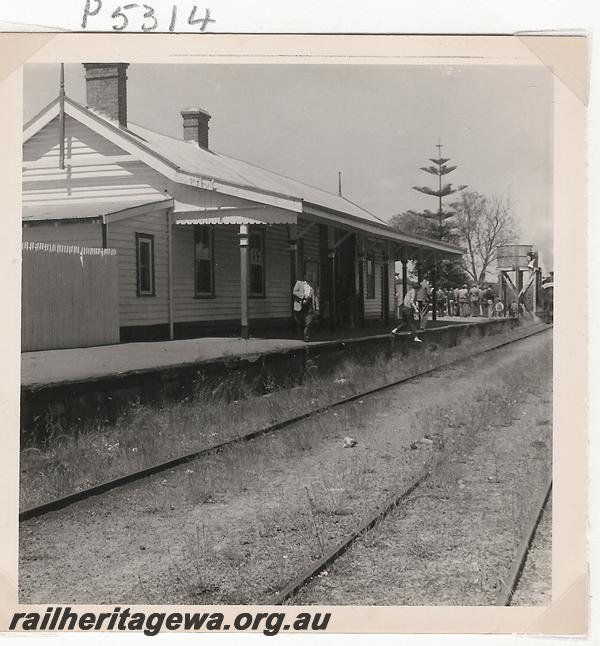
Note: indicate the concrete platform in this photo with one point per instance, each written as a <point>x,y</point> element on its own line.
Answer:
<point>78,364</point>
<point>66,390</point>
<point>47,367</point>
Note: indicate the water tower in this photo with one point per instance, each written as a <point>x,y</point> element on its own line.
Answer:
<point>518,271</point>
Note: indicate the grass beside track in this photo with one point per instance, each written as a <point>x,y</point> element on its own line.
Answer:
<point>236,526</point>
<point>72,460</point>
<point>456,538</point>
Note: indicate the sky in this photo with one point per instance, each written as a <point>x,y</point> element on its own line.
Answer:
<point>377,124</point>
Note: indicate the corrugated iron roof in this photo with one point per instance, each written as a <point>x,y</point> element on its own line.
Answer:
<point>82,210</point>
<point>190,157</point>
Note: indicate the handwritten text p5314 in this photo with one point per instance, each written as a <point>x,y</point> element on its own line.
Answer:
<point>144,17</point>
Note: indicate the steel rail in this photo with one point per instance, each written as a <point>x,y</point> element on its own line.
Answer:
<point>335,552</point>
<point>509,585</point>
<point>78,496</point>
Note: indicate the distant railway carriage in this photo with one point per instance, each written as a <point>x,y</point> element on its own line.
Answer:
<point>205,243</point>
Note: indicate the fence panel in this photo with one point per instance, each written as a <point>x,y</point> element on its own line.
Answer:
<point>70,297</point>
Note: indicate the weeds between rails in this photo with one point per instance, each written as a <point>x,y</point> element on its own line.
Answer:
<point>278,507</point>
<point>499,402</point>
<point>145,436</point>
<point>260,561</point>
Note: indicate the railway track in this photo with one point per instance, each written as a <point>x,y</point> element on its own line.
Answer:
<point>334,553</point>
<point>508,585</point>
<point>511,582</point>
<point>104,487</point>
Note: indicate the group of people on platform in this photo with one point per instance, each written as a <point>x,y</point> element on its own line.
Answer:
<point>469,301</point>
<point>414,308</point>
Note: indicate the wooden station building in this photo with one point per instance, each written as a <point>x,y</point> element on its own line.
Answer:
<point>205,243</point>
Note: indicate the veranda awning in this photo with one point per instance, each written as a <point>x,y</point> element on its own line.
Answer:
<point>190,214</point>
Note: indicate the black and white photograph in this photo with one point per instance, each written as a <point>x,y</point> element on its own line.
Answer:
<point>338,369</point>
<point>287,336</point>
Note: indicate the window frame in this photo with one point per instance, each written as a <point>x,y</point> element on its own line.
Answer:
<point>255,231</point>
<point>211,242</point>
<point>370,276</point>
<point>145,238</point>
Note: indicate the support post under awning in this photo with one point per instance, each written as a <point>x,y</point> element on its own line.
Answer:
<point>332,278</point>
<point>294,269</point>
<point>361,280</point>
<point>244,324</point>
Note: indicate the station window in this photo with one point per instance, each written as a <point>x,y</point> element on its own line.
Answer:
<point>370,277</point>
<point>257,262</point>
<point>203,260</point>
<point>144,244</point>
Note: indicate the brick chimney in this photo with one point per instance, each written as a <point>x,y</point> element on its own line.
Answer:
<point>106,89</point>
<point>195,126</point>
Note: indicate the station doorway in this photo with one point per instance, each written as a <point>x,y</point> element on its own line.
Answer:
<point>339,298</point>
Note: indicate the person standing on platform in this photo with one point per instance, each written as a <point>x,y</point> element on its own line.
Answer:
<point>450,301</point>
<point>304,307</point>
<point>463,301</point>
<point>440,300</point>
<point>481,306</point>
<point>407,313</point>
<point>488,302</point>
<point>474,294</point>
<point>423,300</point>
<point>498,308</point>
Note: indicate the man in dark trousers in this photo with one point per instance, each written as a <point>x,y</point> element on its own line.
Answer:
<point>423,300</point>
<point>304,306</point>
<point>407,313</point>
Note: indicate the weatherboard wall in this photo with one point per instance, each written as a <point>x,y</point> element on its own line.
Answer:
<point>98,171</point>
<point>137,310</point>
<point>225,303</point>
<point>95,169</point>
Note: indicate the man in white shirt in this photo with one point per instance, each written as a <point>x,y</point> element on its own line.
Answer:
<point>474,296</point>
<point>407,313</point>
<point>304,306</point>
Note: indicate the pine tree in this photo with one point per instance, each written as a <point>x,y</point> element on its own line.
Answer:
<point>436,224</point>
<point>440,169</point>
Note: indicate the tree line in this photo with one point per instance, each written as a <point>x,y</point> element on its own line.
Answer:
<point>476,222</point>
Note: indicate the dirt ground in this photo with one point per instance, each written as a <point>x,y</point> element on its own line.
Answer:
<point>235,527</point>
